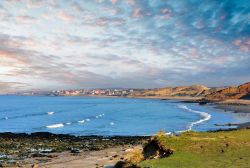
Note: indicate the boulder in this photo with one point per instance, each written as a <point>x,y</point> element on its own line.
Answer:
<point>153,150</point>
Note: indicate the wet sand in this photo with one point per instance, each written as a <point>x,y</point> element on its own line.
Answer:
<point>241,107</point>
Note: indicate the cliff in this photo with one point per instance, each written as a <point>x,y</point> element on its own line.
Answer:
<point>193,91</point>
<point>233,92</point>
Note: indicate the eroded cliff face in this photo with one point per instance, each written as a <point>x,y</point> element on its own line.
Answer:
<point>216,93</point>
<point>236,92</point>
<point>193,91</point>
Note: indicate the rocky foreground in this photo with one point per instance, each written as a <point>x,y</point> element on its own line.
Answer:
<point>18,150</point>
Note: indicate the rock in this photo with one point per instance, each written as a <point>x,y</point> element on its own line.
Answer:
<point>115,156</point>
<point>75,150</point>
<point>202,102</point>
<point>38,155</point>
<point>124,164</point>
<point>153,150</point>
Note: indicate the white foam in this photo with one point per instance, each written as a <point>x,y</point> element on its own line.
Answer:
<point>168,133</point>
<point>96,116</point>
<point>50,113</point>
<point>82,121</point>
<point>87,119</point>
<point>112,123</point>
<point>204,117</point>
<point>68,123</point>
<point>55,125</point>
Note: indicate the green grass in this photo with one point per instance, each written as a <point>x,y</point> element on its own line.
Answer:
<point>225,149</point>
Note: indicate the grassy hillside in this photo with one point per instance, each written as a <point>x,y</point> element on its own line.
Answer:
<point>229,149</point>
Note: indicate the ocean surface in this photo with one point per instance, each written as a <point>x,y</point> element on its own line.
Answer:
<point>107,116</point>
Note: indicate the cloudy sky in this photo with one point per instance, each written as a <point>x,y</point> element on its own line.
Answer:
<point>48,44</point>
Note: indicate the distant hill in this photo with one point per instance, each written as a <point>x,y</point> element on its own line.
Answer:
<point>193,91</point>
<point>233,92</point>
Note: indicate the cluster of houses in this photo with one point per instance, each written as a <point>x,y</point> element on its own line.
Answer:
<point>100,92</point>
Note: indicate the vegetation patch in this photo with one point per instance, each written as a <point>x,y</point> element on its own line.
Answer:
<point>205,150</point>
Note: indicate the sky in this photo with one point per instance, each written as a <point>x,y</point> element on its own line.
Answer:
<point>71,44</point>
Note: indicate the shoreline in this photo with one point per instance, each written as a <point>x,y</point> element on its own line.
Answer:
<point>43,149</point>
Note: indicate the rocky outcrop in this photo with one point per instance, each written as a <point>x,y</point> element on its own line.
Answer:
<point>234,92</point>
<point>154,150</point>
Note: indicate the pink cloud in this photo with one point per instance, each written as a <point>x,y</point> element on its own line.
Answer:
<point>46,16</point>
<point>13,56</point>
<point>137,13</point>
<point>222,17</point>
<point>194,53</point>
<point>113,2</point>
<point>244,48</point>
<point>222,60</point>
<point>237,42</point>
<point>65,17</point>
<point>248,42</point>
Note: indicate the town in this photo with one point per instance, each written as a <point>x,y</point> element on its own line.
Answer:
<point>94,92</point>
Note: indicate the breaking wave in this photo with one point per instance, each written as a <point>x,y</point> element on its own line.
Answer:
<point>204,117</point>
<point>55,126</point>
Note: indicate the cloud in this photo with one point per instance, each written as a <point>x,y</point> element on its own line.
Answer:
<point>137,13</point>
<point>114,2</point>
<point>25,19</point>
<point>68,44</point>
<point>7,87</point>
<point>65,17</point>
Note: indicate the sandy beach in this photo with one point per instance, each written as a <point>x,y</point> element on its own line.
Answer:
<point>91,159</point>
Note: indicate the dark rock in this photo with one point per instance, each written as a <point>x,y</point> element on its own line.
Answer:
<point>115,156</point>
<point>120,164</point>
<point>75,150</point>
<point>153,150</point>
<point>39,155</point>
<point>124,164</point>
<point>202,103</point>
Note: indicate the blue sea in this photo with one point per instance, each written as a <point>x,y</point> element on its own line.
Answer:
<point>107,116</point>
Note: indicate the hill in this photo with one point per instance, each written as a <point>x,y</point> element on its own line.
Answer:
<point>233,92</point>
<point>192,91</point>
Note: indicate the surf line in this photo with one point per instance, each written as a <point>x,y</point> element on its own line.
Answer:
<point>204,117</point>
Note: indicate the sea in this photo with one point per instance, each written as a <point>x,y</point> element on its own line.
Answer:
<point>108,116</point>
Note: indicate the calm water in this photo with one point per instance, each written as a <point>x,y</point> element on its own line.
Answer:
<point>106,116</point>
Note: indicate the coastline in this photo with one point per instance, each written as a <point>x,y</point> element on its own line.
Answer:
<point>230,105</point>
<point>43,149</point>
